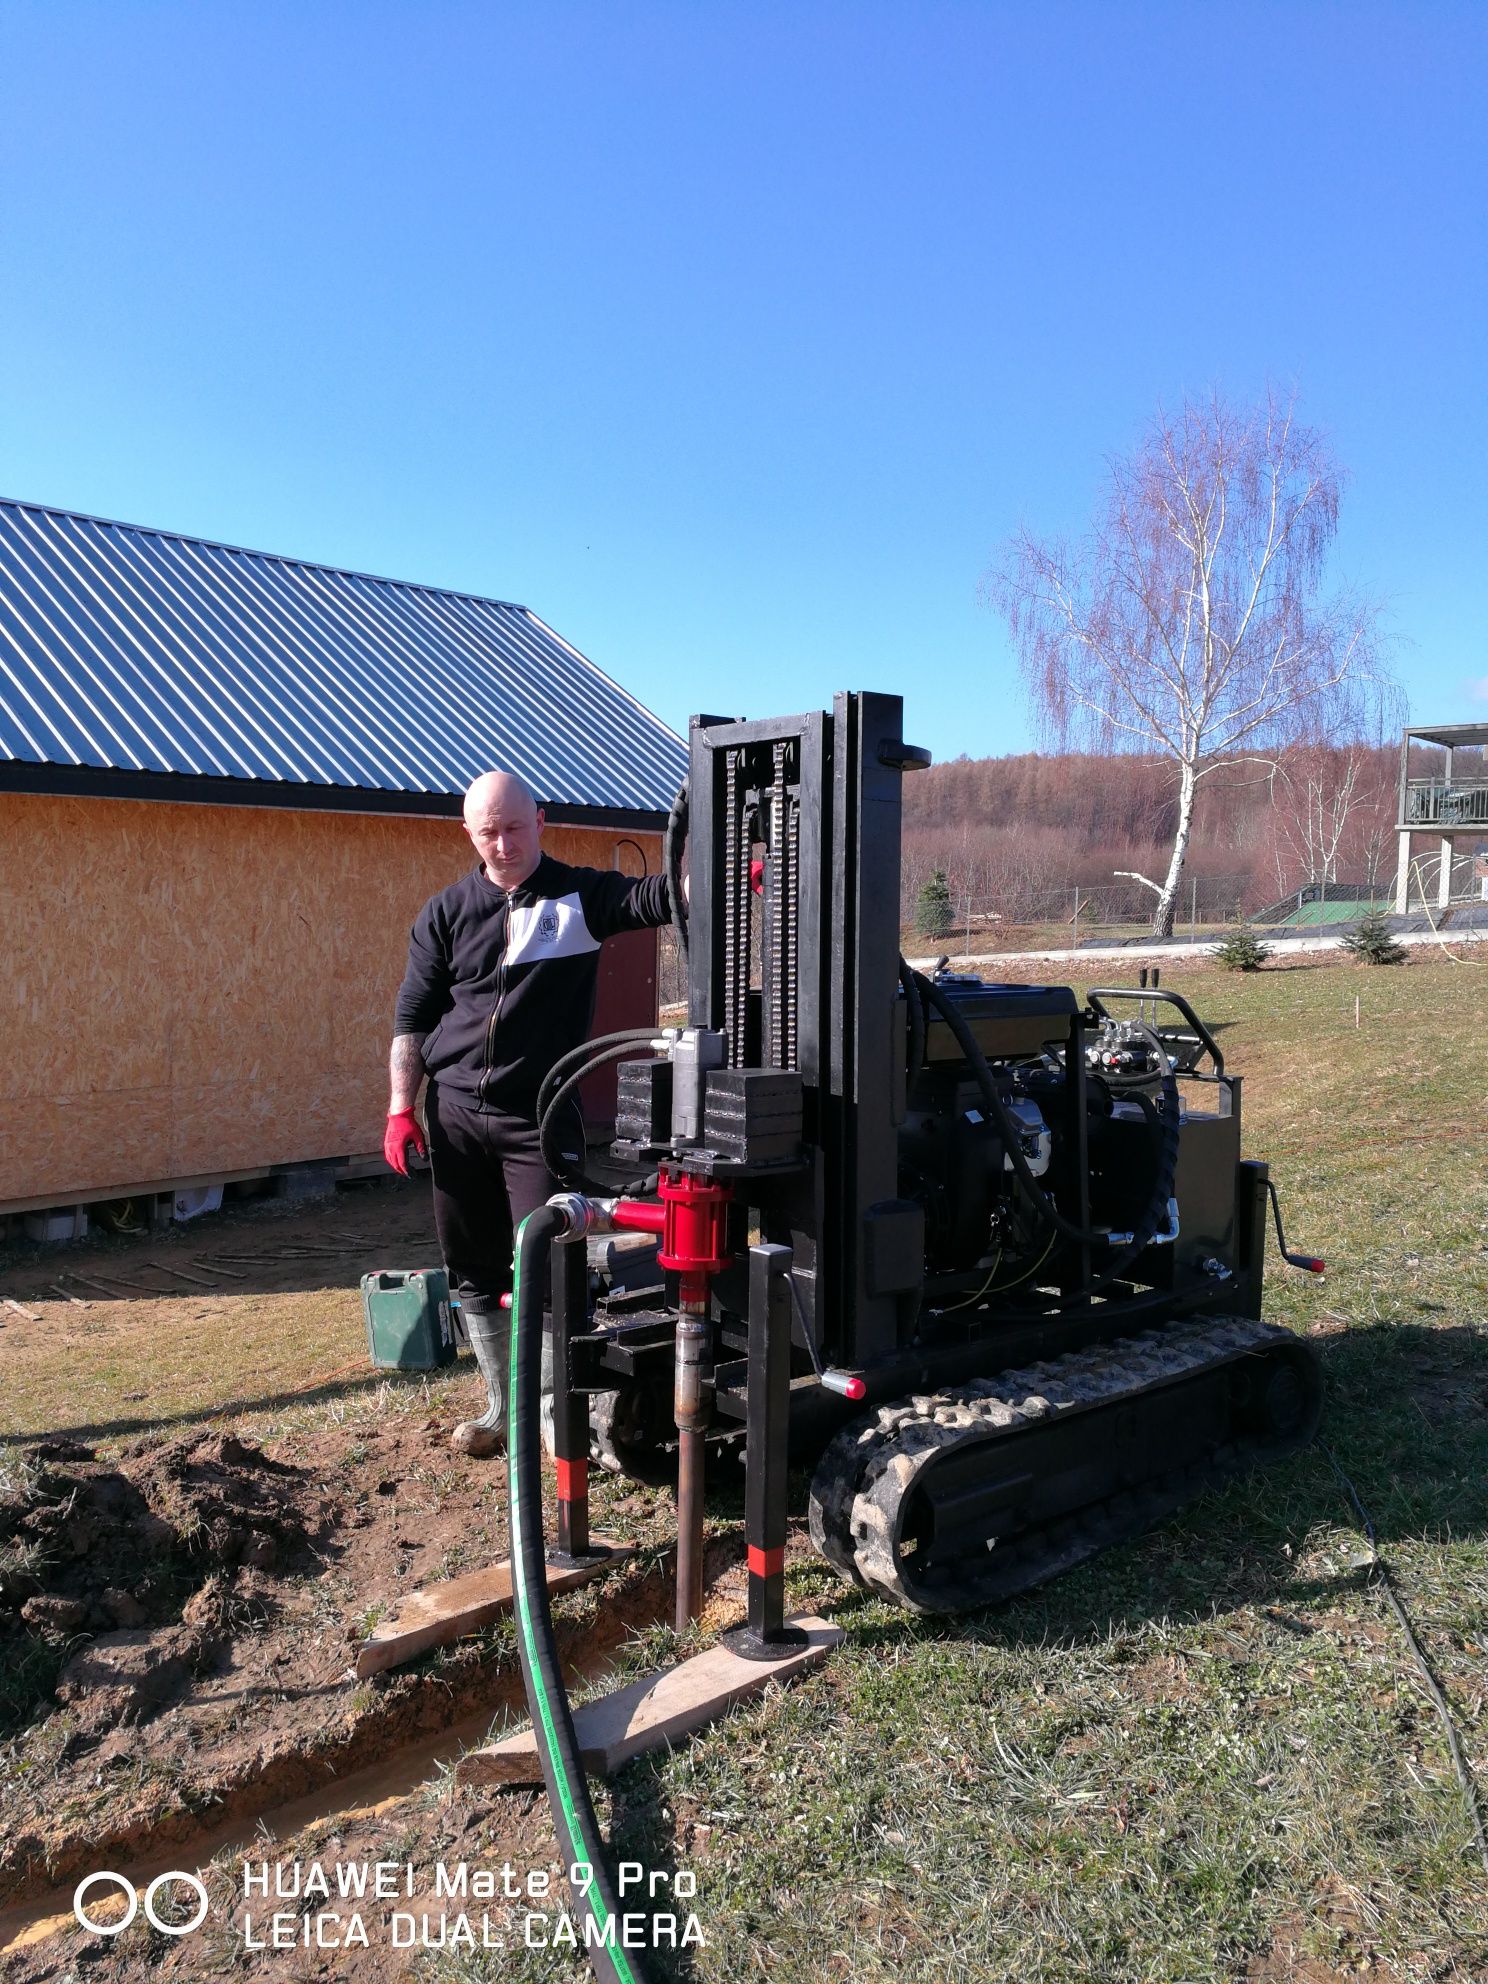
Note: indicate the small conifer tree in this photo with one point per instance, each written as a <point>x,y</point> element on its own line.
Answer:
<point>1241,949</point>
<point>1372,941</point>
<point>933,910</point>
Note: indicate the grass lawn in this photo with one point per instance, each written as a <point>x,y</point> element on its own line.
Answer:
<point>1206,1756</point>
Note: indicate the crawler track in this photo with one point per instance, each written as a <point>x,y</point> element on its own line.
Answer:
<point>953,1500</point>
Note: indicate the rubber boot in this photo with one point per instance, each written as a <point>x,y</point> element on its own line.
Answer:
<point>490,1339</point>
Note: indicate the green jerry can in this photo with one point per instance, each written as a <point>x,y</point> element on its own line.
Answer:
<point>410,1325</point>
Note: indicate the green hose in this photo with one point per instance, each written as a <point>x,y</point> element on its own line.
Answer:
<point>579,1839</point>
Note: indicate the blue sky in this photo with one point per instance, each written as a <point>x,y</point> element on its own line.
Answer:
<point>734,340</point>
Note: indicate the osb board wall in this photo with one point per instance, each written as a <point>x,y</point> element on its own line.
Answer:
<point>192,989</point>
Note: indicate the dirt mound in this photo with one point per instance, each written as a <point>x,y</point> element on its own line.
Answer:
<point>124,1678</point>
<point>228,1502</point>
<point>179,1618</point>
<point>176,1530</point>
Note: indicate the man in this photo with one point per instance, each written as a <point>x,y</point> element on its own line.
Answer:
<point>500,984</point>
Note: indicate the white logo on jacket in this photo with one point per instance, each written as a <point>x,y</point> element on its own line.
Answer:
<point>552,929</point>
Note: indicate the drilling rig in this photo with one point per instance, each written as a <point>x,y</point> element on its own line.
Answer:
<point>987,1257</point>
<point>1008,1249</point>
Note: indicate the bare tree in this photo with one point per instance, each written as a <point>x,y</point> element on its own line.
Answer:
<point>1192,619</point>
<point>1313,795</point>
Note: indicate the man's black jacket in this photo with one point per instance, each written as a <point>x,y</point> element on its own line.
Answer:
<point>501,985</point>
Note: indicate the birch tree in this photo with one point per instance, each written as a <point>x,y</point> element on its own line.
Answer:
<point>1330,807</point>
<point>1193,619</point>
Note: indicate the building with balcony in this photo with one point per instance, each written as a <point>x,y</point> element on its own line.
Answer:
<point>1448,806</point>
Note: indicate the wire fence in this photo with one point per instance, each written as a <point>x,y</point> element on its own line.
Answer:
<point>1068,915</point>
<point>1086,915</point>
<point>1078,916</point>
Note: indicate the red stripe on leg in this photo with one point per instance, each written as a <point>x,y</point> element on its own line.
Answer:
<point>766,1563</point>
<point>573,1480</point>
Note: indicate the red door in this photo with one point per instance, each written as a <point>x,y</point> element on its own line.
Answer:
<point>626,997</point>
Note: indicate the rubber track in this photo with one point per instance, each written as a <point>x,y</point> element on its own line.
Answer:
<point>868,1472</point>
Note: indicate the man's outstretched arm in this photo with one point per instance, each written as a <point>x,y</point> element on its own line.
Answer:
<point>615,902</point>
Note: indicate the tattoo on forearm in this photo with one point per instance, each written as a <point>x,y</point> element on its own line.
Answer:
<point>406,1069</point>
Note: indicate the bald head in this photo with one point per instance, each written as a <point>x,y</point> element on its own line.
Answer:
<point>498,792</point>
<point>505,823</point>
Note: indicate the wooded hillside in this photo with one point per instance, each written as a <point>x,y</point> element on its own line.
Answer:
<point>1015,834</point>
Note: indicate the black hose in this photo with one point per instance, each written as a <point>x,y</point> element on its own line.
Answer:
<point>1040,1204</point>
<point>565,1062</point>
<point>580,1843</point>
<point>671,864</point>
<point>1166,1135</point>
<point>577,1179</point>
<point>555,1090</point>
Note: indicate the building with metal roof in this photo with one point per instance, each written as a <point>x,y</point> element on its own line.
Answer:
<point>201,993</point>
<point>1447,807</point>
<point>146,663</point>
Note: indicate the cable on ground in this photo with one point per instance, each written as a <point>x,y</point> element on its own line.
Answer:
<point>1379,1574</point>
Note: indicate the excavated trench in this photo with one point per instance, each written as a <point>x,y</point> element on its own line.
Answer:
<point>186,1606</point>
<point>366,1778</point>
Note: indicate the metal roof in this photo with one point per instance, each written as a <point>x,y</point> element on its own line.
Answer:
<point>1448,734</point>
<point>132,651</point>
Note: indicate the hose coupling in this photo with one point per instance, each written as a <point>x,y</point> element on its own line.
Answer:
<point>582,1216</point>
<point>1170,1232</point>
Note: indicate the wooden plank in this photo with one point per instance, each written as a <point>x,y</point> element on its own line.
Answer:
<point>163,1267</point>
<point>439,1613</point>
<point>67,1295</point>
<point>112,1293</point>
<point>29,1314</point>
<point>655,1712</point>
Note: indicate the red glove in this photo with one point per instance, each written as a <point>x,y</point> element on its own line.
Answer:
<point>402,1130</point>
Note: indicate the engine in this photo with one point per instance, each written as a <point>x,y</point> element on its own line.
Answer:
<point>1093,1137</point>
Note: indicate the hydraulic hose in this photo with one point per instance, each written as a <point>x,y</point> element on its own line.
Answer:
<point>671,863</point>
<point>551,1107</point>
<point>580,1843</point>
<point>640,1035</point>
<point>1041,1205</point>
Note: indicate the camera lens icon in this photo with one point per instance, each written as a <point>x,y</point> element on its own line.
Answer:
<point>133,1899</point>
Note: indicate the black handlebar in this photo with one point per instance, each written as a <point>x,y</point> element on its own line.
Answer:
<point>1206,1039</point>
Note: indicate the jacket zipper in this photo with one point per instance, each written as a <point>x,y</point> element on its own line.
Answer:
<point>485,1081</point>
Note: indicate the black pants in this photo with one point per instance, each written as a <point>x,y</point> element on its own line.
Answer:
<point>488,1175</point>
